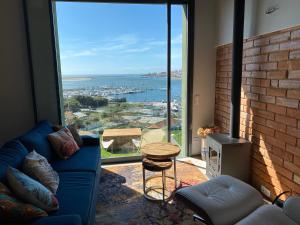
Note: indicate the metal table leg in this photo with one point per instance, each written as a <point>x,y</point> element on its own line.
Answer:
<point>175,174</point>
<point>163,184</point>
<point>144,181</point>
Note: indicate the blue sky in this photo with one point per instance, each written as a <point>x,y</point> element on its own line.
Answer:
<point>100,38</point>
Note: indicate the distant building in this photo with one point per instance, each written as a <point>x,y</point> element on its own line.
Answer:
<point>80,115</point>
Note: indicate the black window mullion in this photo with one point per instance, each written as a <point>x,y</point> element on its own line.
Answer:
<point>169,70</point>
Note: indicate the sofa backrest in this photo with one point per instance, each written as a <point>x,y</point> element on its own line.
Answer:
<point>11,154</point>
<point>36,139</point>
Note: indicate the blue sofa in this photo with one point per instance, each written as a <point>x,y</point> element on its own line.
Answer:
<point>79,175</point>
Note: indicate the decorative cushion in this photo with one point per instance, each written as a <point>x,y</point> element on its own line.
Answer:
<point>11,154</point>
<point>31,191</point>
<point>37,167</point>
<point>36,139</point>
<point>13,211</point>
<point>73,130</point>
<point>63,143</point>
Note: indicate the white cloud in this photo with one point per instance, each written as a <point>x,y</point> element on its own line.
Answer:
<point>72,54</point>
<point>157,43</point>
<point>85,53</point>
<point>103,56</point>
<point>136,50</point>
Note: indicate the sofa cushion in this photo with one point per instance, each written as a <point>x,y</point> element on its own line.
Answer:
<point>36,139</point>
<point>74,132</point>
<point>86,159</point>
<point>13,211</point>
<point>31,191</point>
<point>75,194</point>
<point>267,215</point>
<point>37,167</point>
<point>59,220</point>
<point>63,143</point>
<point>224,199</point>
<point>11,154</point>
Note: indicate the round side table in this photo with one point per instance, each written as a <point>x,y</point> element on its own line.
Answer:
<point>158,152</point>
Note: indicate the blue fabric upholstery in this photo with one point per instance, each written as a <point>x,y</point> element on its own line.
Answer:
<point>90,140</point>
<point>75,194</point>
<point>86,159</point>
<point>59,220</point>
<point>11,154</point>
<point>79,175</point>
<point>36,139</point>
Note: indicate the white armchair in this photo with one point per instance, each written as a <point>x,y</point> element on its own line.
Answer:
<point>137,143</point>
<point>106,144</point>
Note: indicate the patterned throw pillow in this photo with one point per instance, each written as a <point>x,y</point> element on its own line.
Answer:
<point>37,167</point>
<point>31,191</point>
<point>73,130</point>
<point>63,143</point>
<point>13,211</point>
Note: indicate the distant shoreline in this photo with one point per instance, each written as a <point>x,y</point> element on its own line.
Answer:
<point>76,78</point>
<point>90,77</point>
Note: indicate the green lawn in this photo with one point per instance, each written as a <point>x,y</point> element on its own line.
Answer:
<point>108,154</point>
<point>177,135</point>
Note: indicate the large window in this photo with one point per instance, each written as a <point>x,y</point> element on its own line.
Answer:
<point>114,69</point>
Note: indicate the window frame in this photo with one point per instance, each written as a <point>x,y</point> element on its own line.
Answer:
<point>190,8</point>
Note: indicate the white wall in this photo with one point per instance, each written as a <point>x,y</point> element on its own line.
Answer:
<point>256,21</point>
<point>224,17</point>
<point>287,15</point>
<point>204,68</point>
<point>16,112</point>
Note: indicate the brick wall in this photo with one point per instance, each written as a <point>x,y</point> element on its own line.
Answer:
<point>270,113</point>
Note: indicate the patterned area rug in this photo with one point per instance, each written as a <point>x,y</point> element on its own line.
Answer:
<point>121,200</point>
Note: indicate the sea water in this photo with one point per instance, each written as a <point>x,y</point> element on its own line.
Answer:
<point>135,88</point>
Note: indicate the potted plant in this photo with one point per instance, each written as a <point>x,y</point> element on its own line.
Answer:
<point>203,132</point>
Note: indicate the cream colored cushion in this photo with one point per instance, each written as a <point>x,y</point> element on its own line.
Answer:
<point>37,167</point>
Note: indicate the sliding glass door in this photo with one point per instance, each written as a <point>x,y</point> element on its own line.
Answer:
<point>124,73</point>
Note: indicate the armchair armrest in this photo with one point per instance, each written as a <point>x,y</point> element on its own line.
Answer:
<point>59,220</point>
<point>291,208</point>
<point>90,140</point>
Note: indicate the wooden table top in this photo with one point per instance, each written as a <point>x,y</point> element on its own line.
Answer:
<point>127,132</point>
<point>160,150</point>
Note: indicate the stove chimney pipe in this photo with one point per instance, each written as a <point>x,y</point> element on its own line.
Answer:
<point>237,63</point>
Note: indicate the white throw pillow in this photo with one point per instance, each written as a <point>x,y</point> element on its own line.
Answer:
<point>31,191</point>
<point>37,167</point>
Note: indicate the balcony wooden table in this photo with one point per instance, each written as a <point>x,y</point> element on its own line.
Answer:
<point>162,151</point>
<point>121,136</point>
